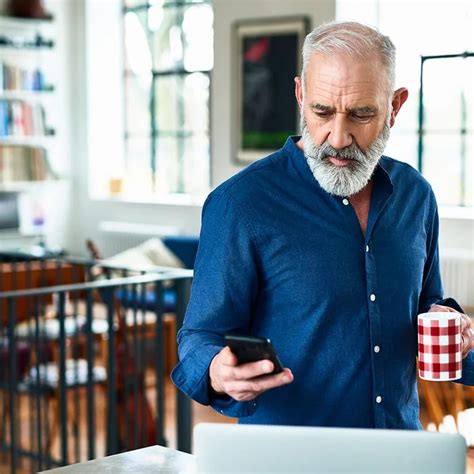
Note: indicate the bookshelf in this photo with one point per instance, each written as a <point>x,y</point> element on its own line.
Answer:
<point>27,94</point>
<point>33,130</point>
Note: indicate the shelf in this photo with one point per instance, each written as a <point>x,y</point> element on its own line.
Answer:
<point>24,94</point>
<point>17,22</point>
<point>21,186</point>
<point>25,48</point>
<point>26,140</point>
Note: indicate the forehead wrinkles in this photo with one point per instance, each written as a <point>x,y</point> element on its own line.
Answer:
<point>327,84</point>
<point>357,93</point>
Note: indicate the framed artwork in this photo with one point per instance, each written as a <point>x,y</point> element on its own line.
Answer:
<point>267,57</point>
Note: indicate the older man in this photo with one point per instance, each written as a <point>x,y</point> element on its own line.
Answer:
<point>327,248</point>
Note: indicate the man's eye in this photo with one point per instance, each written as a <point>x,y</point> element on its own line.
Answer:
<point>323,114</point>
<point>362,118</point>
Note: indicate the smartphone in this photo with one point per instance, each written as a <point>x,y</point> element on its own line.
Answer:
<point>252,349</point>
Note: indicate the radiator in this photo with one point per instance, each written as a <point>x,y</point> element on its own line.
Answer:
<point>457,268</point>
<point>115,237</point>
<point>457,272</point>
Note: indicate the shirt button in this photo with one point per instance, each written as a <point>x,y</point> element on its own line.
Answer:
<point>378,399</point>
<point>376,349</point>
<point>366,248</point>
<point>345,202</point>
<point>372,297</point>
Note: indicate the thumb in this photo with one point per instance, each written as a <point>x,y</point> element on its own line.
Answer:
<point>228,357</point>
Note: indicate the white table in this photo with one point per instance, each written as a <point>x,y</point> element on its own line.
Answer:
<point>146,460</point>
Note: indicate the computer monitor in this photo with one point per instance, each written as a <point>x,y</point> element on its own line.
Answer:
<point>223,447</point>
<point>9,215</point>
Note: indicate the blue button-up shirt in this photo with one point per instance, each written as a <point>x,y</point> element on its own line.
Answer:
<point>281,258</point>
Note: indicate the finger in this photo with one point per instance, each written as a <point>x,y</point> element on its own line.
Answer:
<point>467,341</point>
<point>252,370</point>
<point>466,322</point>
<point>437,308</point>
<point>260,384</point>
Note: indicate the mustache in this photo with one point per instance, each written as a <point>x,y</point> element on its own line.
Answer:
<point>352,152</point>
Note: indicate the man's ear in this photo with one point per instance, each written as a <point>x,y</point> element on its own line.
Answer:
<point>299,92</point>
<point>398,99</point>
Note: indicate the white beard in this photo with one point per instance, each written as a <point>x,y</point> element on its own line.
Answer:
<point>343,180</point>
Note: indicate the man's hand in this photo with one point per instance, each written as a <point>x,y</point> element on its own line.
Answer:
<point>246,381</point>
<point>467,334</point>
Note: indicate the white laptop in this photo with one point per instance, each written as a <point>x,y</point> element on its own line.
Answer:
<point>222,447</point>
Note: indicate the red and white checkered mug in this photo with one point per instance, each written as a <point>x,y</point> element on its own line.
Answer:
<point>439,346</point>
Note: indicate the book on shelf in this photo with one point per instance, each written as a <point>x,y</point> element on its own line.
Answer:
<point>15,78</point>
<point>19,118</point>
<point>24,163</point>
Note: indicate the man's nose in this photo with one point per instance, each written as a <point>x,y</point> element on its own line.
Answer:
<point>340,134</point>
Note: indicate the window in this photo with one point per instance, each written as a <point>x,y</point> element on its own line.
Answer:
<point>447,127</point>
<point>168,59</point>
<point>419,28</point>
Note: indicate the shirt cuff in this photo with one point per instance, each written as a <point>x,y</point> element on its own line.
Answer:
<point>451,302</point>
<point>191,376</point>
<point>229,407</point>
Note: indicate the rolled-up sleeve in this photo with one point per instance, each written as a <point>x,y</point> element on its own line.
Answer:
<point>222,300</point>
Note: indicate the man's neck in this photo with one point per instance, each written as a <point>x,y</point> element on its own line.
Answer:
<point>363,195</point>
<point>300,145</point>
<point>361,204</point>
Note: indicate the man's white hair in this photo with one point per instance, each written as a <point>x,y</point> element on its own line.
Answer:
<point>354,39</point>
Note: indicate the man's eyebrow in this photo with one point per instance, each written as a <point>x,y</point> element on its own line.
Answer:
<point>366,109</point>
<point>322,108</point>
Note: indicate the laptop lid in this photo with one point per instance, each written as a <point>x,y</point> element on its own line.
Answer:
<point>276,449</point>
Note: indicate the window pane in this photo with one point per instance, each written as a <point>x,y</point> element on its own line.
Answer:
<point>196,102</point>
<point>182,102</point>
<point>167,166</point>
<point>196,157</point>
<point>403,146</point>
<point>442,167</point>
<point>168,95</point>
<point>138,55</point>
<point>182,37</point>
<point>137,173</point>
<point>137,98</point>
<point>448,93</point>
